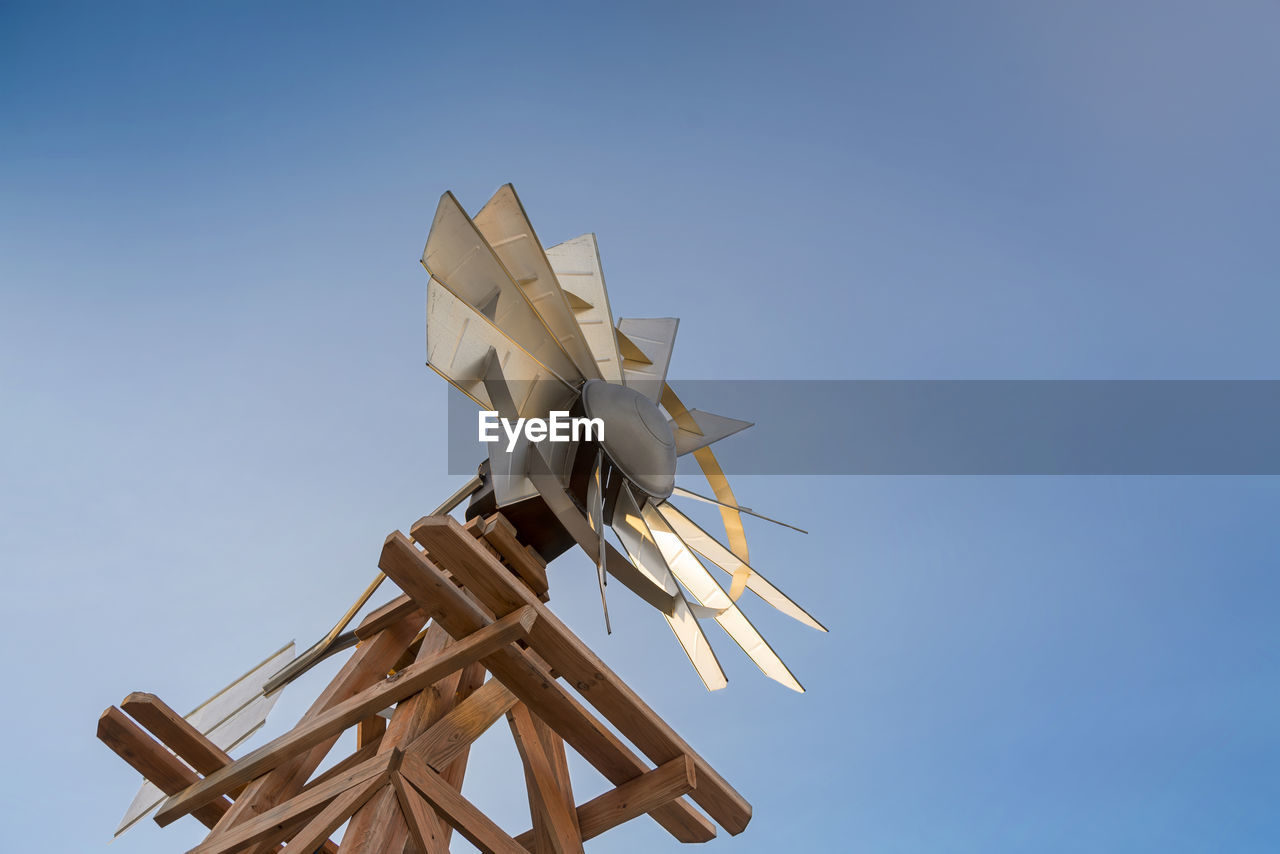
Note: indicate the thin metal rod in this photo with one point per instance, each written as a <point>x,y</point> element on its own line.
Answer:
<point>328,645</point>
<point>688,493</point>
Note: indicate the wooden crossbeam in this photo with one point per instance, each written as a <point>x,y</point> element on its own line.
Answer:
<point>175,732</point>
<point>370,730</point>
<point>363,754</point>
<point>425,828</point>
<point>440,598</point>
<point>378,827</point>
<point>486,578</point>
<point>369,664</point>
<point>317,831</point>
<point>464,723</point>
<point>473,678</point>
<point>477,827</point>
<point>552,810</point>
<point>404,683</point>
<point>635,798</point>
<point>382,825</point>
<point>524,561</point>
<point>275,823</point>
<point>153,760</point>
<point>387,615</point>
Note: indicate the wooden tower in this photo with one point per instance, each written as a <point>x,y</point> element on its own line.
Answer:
<point>469,641</point>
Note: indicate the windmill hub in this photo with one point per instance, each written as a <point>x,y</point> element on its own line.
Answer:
<point>637,438</point>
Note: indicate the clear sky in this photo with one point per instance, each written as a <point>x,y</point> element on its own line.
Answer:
<point>214,405</point>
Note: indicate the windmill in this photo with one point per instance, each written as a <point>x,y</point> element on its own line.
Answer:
<point>526,331</point>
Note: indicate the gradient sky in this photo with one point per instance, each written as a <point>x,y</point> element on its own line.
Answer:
<point>214,405</point>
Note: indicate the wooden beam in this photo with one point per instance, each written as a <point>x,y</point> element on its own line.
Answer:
<point>557,814</point>
<point>488,580</point>
<point>378,827</point>
<point>424,825</point>
<point>464,723</point>
<point>368,664</point>
<point>153,760</point>
<point>411,718</point>
<point>319,829</point>
<point>641,795</point>
<point>176,732</point>
<point>275,823</point>
<point>473,678</point>
<point>530,567</point>
<point>404,683</point>
<point>387,615</point>
<point>363,754</point>
<point>477,827</point>
<point>370,730</point>
<point>440,597</point>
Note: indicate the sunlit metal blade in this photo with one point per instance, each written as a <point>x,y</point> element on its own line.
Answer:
<point>458,343</point>
<point>711,548</point>
<point>595,506</point>
<point>631,529</point>
<point>710,466</point>
<point>713,428</point>
<point>576,264</point>
<point>458,256</point>
<point>694,576</point>
<point>688,493</point>
<point>654,338</point>
<point>506,227</point>
<point>227,719</point>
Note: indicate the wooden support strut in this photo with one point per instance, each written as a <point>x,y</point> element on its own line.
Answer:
<point>445,539</point>
<point>400,791</point>
<point>370,663</point>
<point>404,683</point>
<point>152,760</point>
<point>443,601</point>
<point>635,798</point>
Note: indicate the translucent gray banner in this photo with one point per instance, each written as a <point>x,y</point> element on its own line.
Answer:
<point>973,427</point>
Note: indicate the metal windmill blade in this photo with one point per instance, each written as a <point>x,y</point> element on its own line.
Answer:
<point>505,226</point>
<point>694,576</point>
<point>458,256</point>
<point>646,345</point>
<point>637,539</point>
<point>576,264</point>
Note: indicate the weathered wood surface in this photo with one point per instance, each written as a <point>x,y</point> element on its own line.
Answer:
<point>368,664</point>
<point>441,598</point>
<point>553,811</point>
<point>333,721</point>
<point>275,824</point>
<point>477,827</point>
<point>153,760</point>
<point>641,795</point>
<point>445,539</point>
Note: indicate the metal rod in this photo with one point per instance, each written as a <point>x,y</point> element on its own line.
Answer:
<point>328,645</point>
<point>687,493</point>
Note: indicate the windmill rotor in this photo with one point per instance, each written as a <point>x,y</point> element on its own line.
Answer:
<point>527,331</point>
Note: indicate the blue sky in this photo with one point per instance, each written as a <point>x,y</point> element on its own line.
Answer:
<point>215,408</point>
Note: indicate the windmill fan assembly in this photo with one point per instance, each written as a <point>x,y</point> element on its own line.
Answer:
<point>467,639</point>
<point>527,331</point>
